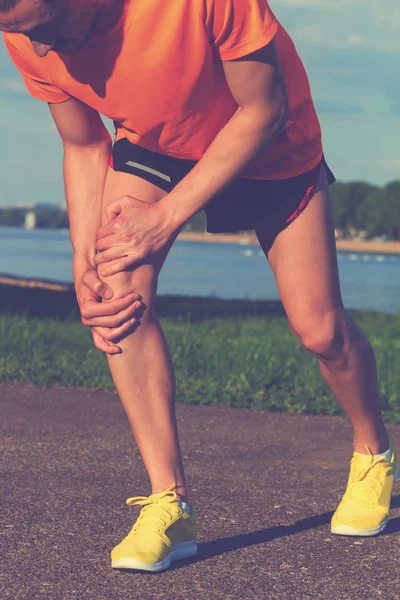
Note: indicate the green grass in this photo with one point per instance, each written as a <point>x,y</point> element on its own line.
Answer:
<point>248,358</point>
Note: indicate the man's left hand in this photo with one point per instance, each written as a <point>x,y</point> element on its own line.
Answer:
<point>135,231</point>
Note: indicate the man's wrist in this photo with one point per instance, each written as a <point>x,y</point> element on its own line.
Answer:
<point>177,211</point>
<point>82,263</point>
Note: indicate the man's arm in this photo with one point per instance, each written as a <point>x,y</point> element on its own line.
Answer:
<point>257,85</point>
<point>87,147</point>
<point>256,82</point>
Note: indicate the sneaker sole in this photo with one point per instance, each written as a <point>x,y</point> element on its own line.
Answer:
<point>347,530</point>
<point>180,551</point>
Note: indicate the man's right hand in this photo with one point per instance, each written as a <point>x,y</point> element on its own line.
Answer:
<point>110,320</point>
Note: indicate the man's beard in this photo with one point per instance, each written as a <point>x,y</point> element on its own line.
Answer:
<point>88,22</point>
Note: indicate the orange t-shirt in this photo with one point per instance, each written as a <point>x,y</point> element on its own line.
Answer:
<point>158,74</point>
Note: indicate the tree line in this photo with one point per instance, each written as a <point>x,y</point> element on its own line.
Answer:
<point>363,207</point>
<point>357,207</point>
<point>46,217</point>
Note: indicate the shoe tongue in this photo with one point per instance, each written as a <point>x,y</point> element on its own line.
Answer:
<point>361,456</point>
<point>362,459</point>
<point>361,462</point>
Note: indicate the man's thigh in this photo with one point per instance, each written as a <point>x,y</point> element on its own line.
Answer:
<point>303,259</point>
<point>121,184</point>
<point>143,278</point>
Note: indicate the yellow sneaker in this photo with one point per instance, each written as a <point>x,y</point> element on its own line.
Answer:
<point>165,531</point>
<point>364,509</point>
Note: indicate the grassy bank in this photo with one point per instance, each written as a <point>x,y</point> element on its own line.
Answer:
<point>233,353</point>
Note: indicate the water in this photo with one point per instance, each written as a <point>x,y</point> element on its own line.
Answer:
<point>207,269</point>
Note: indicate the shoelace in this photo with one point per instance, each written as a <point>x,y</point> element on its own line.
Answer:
<point>148,515</point>
<point>368,480</point>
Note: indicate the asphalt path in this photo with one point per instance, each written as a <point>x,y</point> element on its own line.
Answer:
<point>264,486</point>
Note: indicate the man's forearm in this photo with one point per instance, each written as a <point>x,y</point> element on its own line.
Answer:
<point>85,171</point>
<point>239,142</point>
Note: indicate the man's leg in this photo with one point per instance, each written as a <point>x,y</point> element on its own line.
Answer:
<point>166,529</point>
<point>303,259</point>
<point>143,373</point>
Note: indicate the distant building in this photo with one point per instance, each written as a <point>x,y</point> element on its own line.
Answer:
<point>30,220</point>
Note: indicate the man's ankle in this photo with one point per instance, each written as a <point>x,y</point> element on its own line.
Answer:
<point>181,491</point>
<point>375,446</point>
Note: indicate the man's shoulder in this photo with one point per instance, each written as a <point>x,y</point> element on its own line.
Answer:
<point>18,41</point>
<point>19,46</point>
<point>24,58</point>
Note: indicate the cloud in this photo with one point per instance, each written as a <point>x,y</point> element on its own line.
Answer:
<point>15,86</point>
<point>387,16</point>
<point>333,4</point>
<point>354,40</point>
<point>309,34</point>
<point>329,106</point>
<point>393,163</point>
<point>331,23</point>
<point>382,11</point>
<point>395,109</point>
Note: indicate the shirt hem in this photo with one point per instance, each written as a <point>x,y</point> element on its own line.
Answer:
<point>53,100</point>
<point>252,46</point>
<point>304,167</point>
<point>43,97</point>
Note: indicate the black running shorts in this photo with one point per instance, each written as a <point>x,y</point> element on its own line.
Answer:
<point>242,206</point>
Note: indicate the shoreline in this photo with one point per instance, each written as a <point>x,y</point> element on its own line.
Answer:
<point>250,239</point>
<point>245,239</point>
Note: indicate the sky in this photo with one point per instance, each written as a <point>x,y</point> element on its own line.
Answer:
<point>351,50</point>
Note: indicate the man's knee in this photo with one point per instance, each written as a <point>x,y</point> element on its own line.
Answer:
<point>142,280</point>
<point>326,336</point>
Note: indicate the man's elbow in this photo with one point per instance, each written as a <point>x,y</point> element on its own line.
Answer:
<point>270,119</point>
<point>97,147</point>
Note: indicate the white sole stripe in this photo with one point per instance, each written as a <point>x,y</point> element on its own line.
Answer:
<point>350,531</point>
<point>130,163</point>
<point>180,551</point>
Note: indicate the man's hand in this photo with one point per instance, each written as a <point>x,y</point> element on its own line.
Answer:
<point>111,320</point>
<point>135,231</point>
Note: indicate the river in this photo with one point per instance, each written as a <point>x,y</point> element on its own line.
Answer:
<point>368,281</point>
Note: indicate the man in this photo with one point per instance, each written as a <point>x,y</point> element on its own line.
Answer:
<point>212,109</point>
